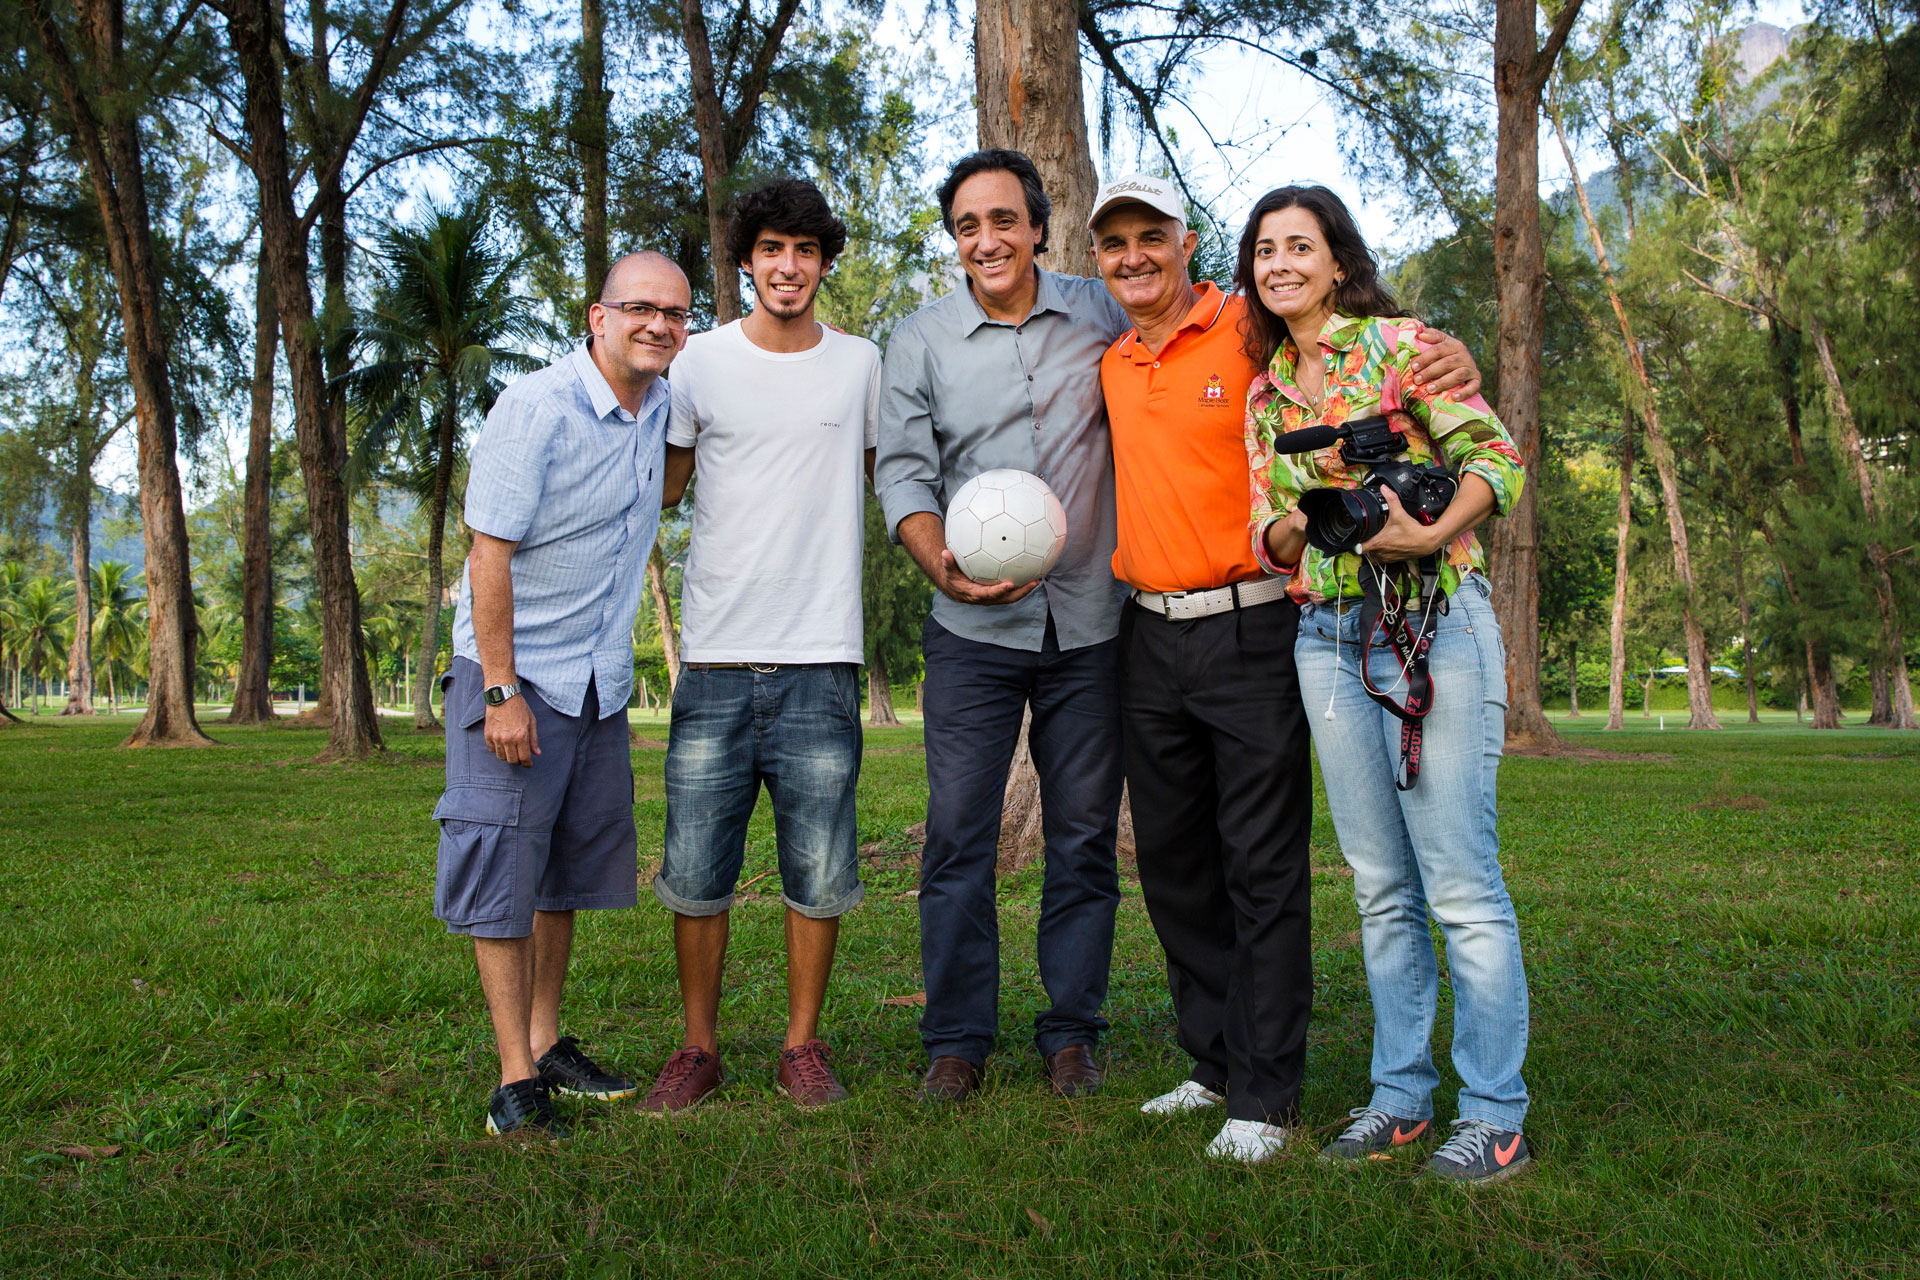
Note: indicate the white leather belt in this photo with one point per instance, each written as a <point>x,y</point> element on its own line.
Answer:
<point>1180,606</point>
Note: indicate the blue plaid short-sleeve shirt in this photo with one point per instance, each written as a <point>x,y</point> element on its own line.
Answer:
<point>561,469</point>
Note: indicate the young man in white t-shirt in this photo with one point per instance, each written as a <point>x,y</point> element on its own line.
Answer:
<point>779,415</point>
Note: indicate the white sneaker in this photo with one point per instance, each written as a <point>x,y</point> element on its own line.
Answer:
<point>1190,1096</point>
<point>1249,1141</point>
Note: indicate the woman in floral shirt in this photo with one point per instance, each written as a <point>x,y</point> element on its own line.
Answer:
<point>1325,332</point>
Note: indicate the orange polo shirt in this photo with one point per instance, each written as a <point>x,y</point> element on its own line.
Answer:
<point>1180,452</point>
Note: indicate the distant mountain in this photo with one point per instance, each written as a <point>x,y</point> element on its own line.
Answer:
<point>1761,45</point>
<point>114,529</point>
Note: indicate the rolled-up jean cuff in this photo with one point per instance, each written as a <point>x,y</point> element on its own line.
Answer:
<point>687,906</point>
<point>832,909</point>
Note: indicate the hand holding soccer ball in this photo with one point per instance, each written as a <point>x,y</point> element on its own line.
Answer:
<point>1006,526</point>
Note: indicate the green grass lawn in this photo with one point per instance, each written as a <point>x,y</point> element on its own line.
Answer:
<point>223,963</point>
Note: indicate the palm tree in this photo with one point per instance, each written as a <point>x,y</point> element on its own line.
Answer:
<point>119,621</point>
<point>390,634</point>
<point>40,630</point>
<point>13,576</point>
<point>433,340</point>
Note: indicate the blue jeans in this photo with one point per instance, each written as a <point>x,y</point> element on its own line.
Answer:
<point>1435,848</point>
<point>797,729</point>
<point>975,697</point>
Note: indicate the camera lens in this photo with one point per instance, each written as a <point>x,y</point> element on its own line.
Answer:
<point>1341,519</point>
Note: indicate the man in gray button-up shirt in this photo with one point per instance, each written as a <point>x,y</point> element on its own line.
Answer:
<point>966,393</point>
<point>1005,372</point>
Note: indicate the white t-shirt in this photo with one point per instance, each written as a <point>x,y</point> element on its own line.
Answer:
<point>773,573</point>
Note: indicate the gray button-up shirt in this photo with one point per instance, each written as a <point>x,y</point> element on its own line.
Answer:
<point>963,394</point>
<point>563,470</point>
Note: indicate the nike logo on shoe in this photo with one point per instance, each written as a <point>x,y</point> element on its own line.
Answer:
<point>1402,1137</point>
<point>1505,1154</point>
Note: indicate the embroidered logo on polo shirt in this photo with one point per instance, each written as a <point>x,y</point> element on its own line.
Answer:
<point>1215,396</point>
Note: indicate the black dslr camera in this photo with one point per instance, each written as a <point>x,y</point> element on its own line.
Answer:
<point>1341,519</point>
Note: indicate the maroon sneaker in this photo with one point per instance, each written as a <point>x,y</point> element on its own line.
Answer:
<point>688,1078</point>
<point>806,1078</point>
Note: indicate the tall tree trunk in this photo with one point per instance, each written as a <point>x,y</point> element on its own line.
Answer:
<point>353,728</point>
<point>1520,69</point>
<point>1027,96</point>
<point>80,651</point>
<point>1617,625</point>
<point>436,551</point>
<point>1746,622</point>
<point>1881,717</point>
<point>663,614</point>
<point>880,694</point>
<point>253,689</point>
<point>1027,88</point>
<point>715,166</point>
<point>107,133</point>
<point>1893,640</point>
<point>1573,679</point>
<point>1826,696</point>
<point>724,135</point>
<point>1699,662</point>
<point>591,133</point>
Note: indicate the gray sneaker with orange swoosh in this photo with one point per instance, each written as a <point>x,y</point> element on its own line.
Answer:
<point>1374,1135</point>
<point>1478,1153</point>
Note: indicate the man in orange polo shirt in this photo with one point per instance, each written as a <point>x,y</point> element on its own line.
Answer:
<point>1215,734</point>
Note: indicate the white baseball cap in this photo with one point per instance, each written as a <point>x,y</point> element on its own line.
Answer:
<point>1138,188</point>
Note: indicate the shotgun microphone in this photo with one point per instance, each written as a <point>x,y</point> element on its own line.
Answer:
<point>1308,440</point>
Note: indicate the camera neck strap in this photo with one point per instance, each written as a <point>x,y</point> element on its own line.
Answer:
<point>1384,611</point>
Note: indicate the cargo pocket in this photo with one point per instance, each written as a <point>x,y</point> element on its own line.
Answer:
<point>479,854</point>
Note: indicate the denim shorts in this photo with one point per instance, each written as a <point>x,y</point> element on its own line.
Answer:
<point>558,836</point>
<point>795,728</point>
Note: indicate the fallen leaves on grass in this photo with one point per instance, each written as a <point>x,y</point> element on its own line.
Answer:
<point>918,1000</point>
<point>1733,802</point>
<point>91,1153</point>
<point>1039,1221</point>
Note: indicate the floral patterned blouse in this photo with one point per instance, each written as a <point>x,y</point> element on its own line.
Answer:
<point>1368,363</point>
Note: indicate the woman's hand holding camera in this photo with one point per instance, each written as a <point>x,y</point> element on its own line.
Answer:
<point>1403,538</point>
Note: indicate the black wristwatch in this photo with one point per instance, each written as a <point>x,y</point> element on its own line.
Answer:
<point>499,693</point>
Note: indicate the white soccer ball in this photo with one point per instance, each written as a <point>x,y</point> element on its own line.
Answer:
<point>1006,526</point>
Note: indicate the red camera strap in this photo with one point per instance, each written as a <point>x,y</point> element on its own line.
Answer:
<point>1388,617</point>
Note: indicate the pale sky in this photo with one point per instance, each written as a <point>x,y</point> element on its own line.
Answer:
<point>1279,126</point>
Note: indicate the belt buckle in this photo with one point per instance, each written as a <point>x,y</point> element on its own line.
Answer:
<point>1166,604</point>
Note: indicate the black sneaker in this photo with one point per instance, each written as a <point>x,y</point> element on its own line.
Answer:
<point>523,1107</point>
<point>1479,1152</point>
<point>1373,1135</point>
<point>572,1074</point>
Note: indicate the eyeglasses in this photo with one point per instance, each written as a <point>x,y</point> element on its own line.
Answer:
<point>644,312</point>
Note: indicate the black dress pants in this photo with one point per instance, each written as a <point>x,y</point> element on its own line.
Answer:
<point>1216,750</point>
<point>976,697</point>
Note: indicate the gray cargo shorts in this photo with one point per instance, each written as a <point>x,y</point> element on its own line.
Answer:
<point>513,840</point>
